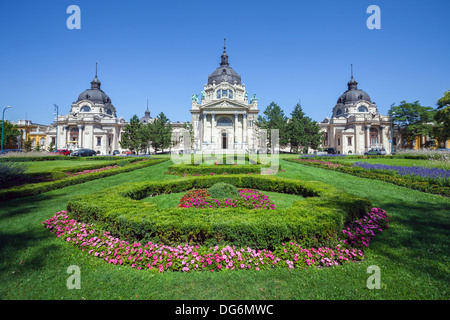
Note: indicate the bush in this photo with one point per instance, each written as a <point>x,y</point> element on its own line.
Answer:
<point>314,221</point>
<point>223,190</point>
<point>10,171</point>
<point>123,163</point>
<point>58,175</point>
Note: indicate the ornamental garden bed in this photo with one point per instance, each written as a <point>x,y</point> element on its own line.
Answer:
<point>63,179</point>
<point>431,180</point>
<point>314,221</point>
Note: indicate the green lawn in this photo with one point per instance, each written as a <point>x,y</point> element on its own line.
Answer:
<point>412,254</point>
<point>40,166</point>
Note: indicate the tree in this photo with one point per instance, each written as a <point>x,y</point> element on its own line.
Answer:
<point>442,117</point>
<point>303,131</point>
<point>159,133</point>
<point>27,145</point>
<point>51,147</point>
<point>132,135</point>
<point>413,120</point>
<point>274,118</point>
<point>10,134</point>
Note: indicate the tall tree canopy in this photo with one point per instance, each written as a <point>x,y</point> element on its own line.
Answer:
<point>10,134</point>
<point>160,133</point>
<point>442,117</point>
<point>413,119</point>
<point>274,118</point>
<point>303,131</point>
<point>133,135</point>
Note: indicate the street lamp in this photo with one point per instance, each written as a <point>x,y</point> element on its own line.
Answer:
<point>3,121</point>
<point>56,114</point>
<point>392,129</point>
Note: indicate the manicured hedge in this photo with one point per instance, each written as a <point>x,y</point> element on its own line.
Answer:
<point>314,221</point>
<point>38,188</point>
<point>55,157</point>
<point>390,177</point>
<point>217,169</point>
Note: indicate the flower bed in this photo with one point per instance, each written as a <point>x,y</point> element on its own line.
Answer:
<point>72,174</point>
<point>436,186</point>
<point>249,198</point>
<point>159,258</point>
<point>315,161</point>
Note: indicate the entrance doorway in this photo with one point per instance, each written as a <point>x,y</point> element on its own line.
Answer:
<point>224,141</point>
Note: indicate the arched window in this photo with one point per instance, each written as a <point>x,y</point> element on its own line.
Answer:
<point>109,111</point>
<point>85,109</point>
<point>362,109</point>
<point>224,93</point>
<point>338,112</point>
<point>42,142</point>
<point>224,122</point>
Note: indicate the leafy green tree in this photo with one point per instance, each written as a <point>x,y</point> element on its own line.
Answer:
<point>413,120</point>
<point>10,134</point>
<point>27,145</point>
<point>442,117</point>
<point>51,147</point>
<point>132,135</point>
<point>159,133</point>
<point>274,118</point>
<point>303,131</point>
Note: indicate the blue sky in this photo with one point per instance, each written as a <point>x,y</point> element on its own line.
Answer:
<point>285,51</point>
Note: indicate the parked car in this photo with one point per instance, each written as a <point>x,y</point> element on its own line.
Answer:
<point>83,153</point>
<point>64,152</point>
<point>331,150</point>
<point>128,152</point>
<point>375,151</point>
<point>116,152</point>
<point>5,151</point>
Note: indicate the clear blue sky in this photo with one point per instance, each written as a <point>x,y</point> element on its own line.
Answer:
<point>285,51</point>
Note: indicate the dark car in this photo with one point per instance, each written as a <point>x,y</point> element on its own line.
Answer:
<point>64,152</point>
<point>116,152</point>
<point>5,151</point>
<point>375,151</point>
<point>331,150</point>
<point>83,153</point>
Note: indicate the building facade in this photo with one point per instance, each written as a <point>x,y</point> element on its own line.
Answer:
<point>91,123</point>
<point>223,117</point>
<point>36,133</point>
<point>355,125</point>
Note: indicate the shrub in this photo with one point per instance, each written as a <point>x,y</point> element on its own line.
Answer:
<point>10,171</point>
<point>123,163</point>
<point>314,221</point>
<point>58,175</point>
<point>223,190</point>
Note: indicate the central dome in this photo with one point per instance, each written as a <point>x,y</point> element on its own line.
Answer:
<point>224,73</point>
<point>353,94</point>
<point>95,94</point>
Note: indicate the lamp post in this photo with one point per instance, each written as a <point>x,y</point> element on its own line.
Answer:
<point>392,130</point>
<point>3,122</point>
<point>56,114</point>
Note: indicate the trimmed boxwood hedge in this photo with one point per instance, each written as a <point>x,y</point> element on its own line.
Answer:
<point>38,188</point>
<point>314,221</point>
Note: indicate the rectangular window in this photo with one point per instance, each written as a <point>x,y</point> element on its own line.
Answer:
<point>339,141</point>
<point>325,139</point>
<point>349,141</point>
<point>99,141</point>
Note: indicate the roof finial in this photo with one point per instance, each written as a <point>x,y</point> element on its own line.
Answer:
<point>147,104</point>
<point>224,61</point>
<point>351,65</point>
<point>96,69</point>
<point>224,45</point>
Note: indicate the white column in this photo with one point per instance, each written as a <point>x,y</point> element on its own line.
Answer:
<point>213,125</point>
<point>244,131</point>
<point>80,136</point>
<point>235,131</point>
